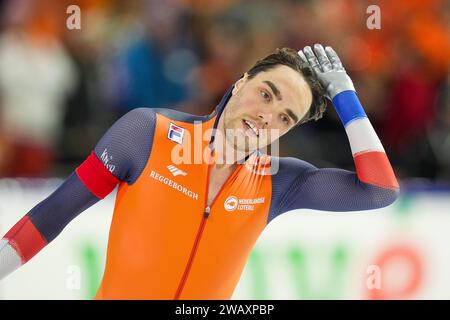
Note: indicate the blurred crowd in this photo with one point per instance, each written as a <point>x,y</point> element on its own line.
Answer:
<point>61,89</point>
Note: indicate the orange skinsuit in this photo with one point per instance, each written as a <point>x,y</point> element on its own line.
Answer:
<point>188,255</point>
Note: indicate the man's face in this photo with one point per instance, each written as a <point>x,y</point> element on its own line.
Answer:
<point>265,107</point>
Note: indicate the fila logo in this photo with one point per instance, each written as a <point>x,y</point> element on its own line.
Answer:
<point>175,171</point>
<point>175,133</point>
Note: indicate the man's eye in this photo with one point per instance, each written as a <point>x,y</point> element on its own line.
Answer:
<point>285,119</point>
<point>265,96</point>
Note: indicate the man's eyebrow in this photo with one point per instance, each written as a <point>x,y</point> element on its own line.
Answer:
<point>292,115</point>
<point>277,94</point>
<point>274,88</point>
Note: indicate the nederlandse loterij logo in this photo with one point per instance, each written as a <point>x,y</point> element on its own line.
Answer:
<point>175,171</point>
<point>232,203</point>
<point>175,133</point>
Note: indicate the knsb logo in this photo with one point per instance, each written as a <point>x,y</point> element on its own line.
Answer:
<point>232,203</point>
<point>175,133</point>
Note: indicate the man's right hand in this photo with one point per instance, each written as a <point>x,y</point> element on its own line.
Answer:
<point>328,68</point>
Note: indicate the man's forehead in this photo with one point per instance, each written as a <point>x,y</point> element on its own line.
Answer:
<point>290,83</point>
<point>283,75</point>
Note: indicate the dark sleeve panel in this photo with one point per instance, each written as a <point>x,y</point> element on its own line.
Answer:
<point>51,215</point>
<point>125,148</point>
<point>300,185</point>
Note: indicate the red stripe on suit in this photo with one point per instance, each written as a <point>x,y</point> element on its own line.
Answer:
<point>25,239</point>
<point>99,180</point>
<point>374,168</point>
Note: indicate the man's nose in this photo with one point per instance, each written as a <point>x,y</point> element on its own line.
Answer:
<point>265,119</point>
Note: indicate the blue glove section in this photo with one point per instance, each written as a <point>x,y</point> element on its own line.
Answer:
<point>348,107</point>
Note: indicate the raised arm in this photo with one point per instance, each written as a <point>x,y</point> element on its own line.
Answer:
<point>119,156</point>
<point>374,184</point>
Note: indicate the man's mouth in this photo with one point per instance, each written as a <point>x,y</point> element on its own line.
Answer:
<point>250,127</point>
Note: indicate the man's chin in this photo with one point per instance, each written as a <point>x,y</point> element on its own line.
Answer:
<point>244,149</point>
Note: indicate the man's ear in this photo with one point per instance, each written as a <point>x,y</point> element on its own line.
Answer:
<point>238,85</point>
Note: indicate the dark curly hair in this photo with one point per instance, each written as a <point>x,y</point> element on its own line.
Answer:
<point>290,58</point>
